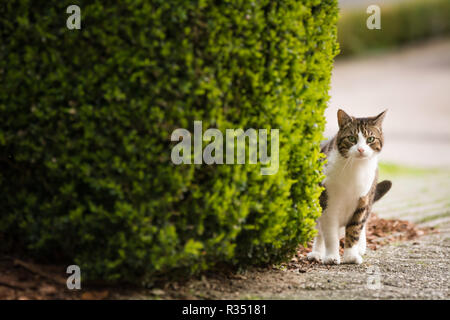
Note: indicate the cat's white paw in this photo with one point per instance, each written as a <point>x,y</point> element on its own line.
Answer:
<point>314,256</point>
<point>332,259</point>
<point>352,257</point>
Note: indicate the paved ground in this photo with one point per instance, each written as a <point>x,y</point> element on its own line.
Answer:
<point>421,197</point>
<point>405,270</point>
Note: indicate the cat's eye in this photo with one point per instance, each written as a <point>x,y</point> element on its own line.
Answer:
<point>352,139</point>
<point>370,139</point>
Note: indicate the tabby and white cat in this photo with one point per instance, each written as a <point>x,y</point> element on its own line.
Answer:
<point>350,188</point>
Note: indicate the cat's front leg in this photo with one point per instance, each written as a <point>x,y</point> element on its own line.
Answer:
<point>330,230</point>
<point>362,244</point>
<point>318,248</point>
<point>355,242</point>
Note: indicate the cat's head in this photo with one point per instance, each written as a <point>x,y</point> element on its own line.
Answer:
<point>359,138</point>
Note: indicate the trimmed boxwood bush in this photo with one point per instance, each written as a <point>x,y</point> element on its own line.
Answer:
<point>87,115</point>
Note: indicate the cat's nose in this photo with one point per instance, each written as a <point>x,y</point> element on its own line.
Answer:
<point>361,150</point>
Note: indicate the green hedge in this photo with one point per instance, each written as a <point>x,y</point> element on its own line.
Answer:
<point>401,23</point>
<point>87,115</point>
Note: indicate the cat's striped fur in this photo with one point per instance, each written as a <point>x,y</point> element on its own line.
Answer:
<point>350,188</point>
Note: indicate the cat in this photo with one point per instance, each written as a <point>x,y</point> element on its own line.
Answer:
<point>351,174</point>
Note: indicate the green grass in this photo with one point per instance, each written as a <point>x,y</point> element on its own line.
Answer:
<point>387,170</point>
<point>435,217</point>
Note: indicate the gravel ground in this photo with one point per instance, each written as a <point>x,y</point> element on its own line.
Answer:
<point>407,270</point>
<point>416,269</point>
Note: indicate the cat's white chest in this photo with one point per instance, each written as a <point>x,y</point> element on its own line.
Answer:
<point>346,181</point>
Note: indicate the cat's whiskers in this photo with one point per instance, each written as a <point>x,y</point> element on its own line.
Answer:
<point>349,159</point>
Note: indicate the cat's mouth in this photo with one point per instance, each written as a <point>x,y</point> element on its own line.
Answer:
<point>361,156</point>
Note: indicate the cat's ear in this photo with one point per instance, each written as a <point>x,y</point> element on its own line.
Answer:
<point>378,120</point>
<point>343,118</point>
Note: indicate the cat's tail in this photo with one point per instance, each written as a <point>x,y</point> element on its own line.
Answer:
<point>382,188</point>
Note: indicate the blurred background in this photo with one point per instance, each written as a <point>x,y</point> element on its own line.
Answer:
<point>405,68</point>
